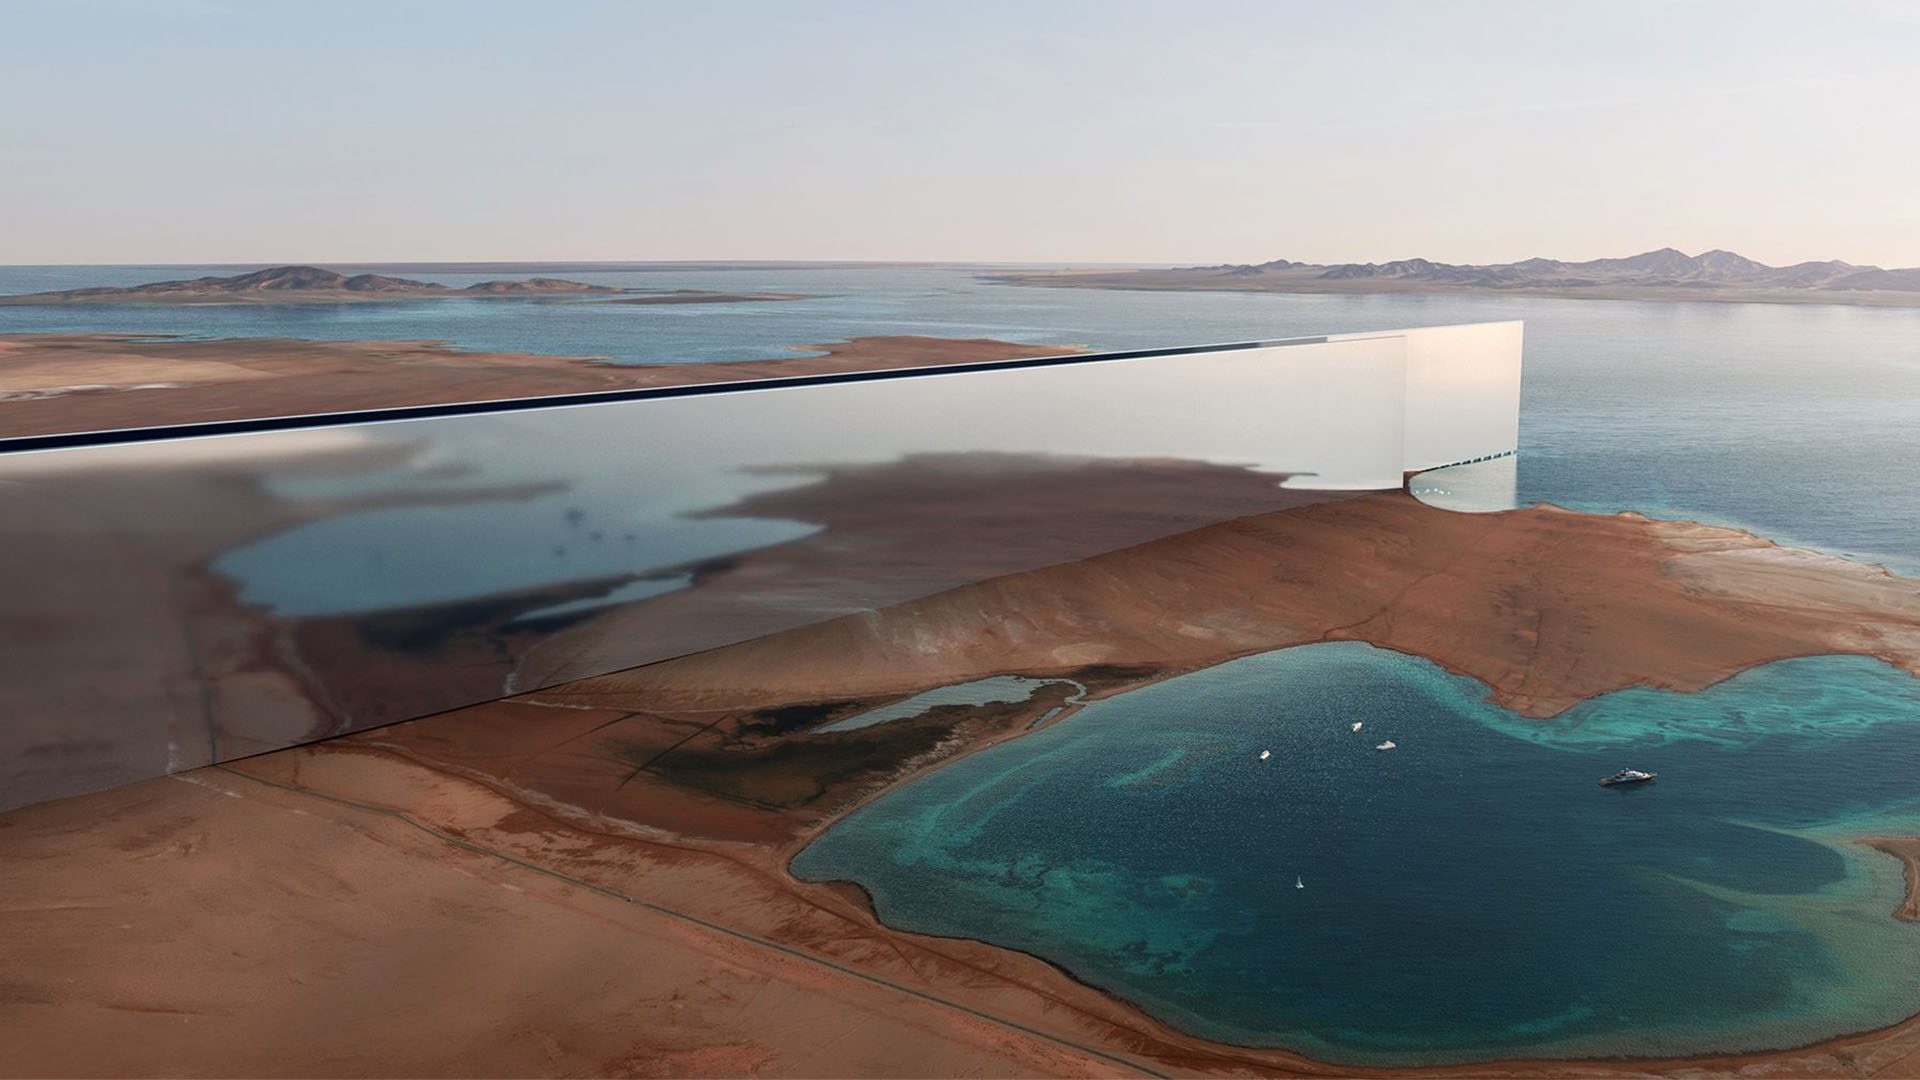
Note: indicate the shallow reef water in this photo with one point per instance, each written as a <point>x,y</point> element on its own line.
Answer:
<point>1472,894</point>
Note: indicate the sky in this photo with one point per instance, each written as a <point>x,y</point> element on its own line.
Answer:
<point>1038,131</point>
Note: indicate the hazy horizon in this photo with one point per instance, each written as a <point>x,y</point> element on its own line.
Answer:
<point>208,133</point>
<point>585,265</point>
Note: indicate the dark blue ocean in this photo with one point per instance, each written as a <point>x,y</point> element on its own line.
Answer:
<point>1473,892</point>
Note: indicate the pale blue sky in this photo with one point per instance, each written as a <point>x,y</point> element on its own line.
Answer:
<point>213,131</point>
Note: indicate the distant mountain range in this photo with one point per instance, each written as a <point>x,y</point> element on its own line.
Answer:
<point>302,283</point>
<point>1665,267</point>
<point>1662,274</point>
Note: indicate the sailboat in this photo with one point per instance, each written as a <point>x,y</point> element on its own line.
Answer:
<point>1298,884</point>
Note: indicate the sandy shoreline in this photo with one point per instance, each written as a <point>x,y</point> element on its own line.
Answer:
<point>582,877</point>
<point>1907,850</point>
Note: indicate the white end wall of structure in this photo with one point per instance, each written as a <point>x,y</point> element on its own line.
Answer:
<point>1462,392</point>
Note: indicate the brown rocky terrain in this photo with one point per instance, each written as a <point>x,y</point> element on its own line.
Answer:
<point>1546,606</point>
<point>302,284</point>
<point>52,383</point>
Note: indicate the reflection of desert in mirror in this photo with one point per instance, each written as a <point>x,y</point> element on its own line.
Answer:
<point>275,587</point>
<point>989,540</point>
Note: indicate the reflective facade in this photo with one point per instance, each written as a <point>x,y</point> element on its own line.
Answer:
<point>168,603</point>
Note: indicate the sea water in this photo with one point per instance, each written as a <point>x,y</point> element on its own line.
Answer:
<point>1473,893</point>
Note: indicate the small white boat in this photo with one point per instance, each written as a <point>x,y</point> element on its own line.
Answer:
<point>1388,745</point>
<point>1298,884</point>
<point>1265,754</point>
<point>1356,725</point>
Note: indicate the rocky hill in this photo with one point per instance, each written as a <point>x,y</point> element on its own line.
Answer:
<point>282,284</point>
<point>1665,267</point>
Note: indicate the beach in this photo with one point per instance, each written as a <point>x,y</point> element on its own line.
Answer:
<point>1907,850</point>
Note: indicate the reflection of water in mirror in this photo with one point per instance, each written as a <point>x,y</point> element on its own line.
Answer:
<point>1480,488</point>
<point>640,489</point>
<point>458,541</point>
<point>992,690</point>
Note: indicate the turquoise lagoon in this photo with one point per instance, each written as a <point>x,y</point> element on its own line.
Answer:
<point>1472,894</point>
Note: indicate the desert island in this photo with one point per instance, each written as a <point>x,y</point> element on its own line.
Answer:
<point>317,285</point>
